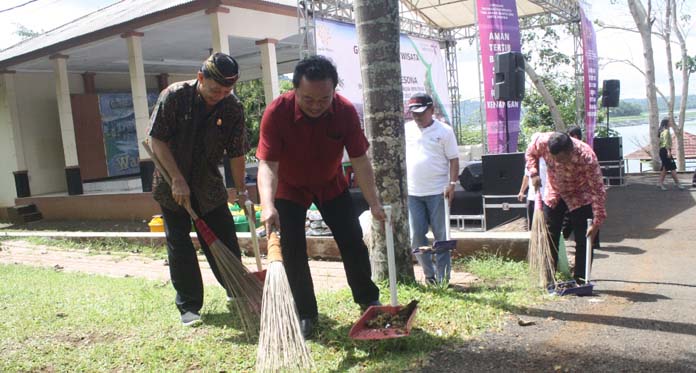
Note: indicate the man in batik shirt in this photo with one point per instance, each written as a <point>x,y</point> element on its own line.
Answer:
<point>574,184</point>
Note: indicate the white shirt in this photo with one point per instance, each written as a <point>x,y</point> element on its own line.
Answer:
<point>531,193</point>
<point>428,154</point>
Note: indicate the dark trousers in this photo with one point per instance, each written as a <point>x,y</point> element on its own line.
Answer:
<point>578,220</point>
<point>340,216</point>
<point>183,263</point>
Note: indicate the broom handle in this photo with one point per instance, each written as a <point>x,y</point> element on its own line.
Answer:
<point>390,255</point>
<point>254,240</point>
<point>447,216</point>
<point>165,175</point>
<point>275,253</point>
<point>588,254</point>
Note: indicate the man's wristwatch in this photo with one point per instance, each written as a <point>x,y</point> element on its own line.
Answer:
<point>452,183</point>
<point>245,193</point>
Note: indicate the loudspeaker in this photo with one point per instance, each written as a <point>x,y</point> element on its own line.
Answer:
<point>465,202</point>
<point>502,173</point>
<point>608,148</point>
<point>509,76</point>
<point>610,93</point>
<point>471,177</point>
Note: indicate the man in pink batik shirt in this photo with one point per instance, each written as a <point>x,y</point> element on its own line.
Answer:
<point>574,184</point>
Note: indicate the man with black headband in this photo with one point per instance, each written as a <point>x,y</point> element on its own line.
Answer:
<point>303,134</point>
<point>193,124</point>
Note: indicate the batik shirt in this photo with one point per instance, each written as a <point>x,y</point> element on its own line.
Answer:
<point>578,182</point>
<point>198,139</point>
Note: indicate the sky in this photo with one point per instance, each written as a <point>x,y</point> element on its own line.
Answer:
<point>47,14</point>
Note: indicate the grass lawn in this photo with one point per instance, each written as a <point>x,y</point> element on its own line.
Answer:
<point>55,321</point>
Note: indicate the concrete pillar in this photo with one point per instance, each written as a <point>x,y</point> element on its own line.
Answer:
<point>67,127</point>
<point>136,68</point>
<point>219,42</point>
<point>21,174</point>
<point>269,69</point>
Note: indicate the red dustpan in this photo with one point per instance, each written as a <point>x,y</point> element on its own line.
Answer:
<point>384,322</point>
<point>251,214</point>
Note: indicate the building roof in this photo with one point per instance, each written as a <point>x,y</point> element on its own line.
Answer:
<point>689,148</point>
<point>177,37</point>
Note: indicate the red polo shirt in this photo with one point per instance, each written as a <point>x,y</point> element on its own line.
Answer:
<point>309,151</point>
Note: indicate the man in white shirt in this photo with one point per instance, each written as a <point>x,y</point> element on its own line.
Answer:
<point>432,162</point>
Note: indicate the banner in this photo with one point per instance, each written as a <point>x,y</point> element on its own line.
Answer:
<point>590,71</point>
<point>120,137</point>
<point>499,32</point>
<point>422,66</point>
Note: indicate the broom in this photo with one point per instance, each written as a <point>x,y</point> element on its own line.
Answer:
<point>539,256</point>
<point>245,287</point>
<point>281,344</point>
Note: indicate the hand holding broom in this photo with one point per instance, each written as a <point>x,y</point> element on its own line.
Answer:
<point>236,278</point>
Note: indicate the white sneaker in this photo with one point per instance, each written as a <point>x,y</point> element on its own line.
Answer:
<point>681,187</point>
<point>662,187</point>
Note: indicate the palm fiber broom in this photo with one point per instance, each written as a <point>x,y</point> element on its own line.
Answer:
<point>281,344</point>
<point>539,255</point>
<point>245,287</point>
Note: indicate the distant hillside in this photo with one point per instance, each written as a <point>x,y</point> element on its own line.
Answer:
<point>643,102</point>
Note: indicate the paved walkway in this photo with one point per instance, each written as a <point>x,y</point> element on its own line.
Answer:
<point>327,275</point>
<point>641,316</point>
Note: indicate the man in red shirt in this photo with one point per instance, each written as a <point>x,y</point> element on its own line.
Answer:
<point>303,136</point>
<point>574,184</point>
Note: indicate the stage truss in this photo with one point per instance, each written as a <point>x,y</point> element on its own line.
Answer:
<point>416,23</point>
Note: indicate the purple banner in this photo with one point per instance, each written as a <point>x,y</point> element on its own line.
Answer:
<point>499,32</point>
<point>590,67</point>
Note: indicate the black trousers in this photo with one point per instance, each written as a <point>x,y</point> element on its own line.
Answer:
<point>183,263</point>
<point>578,220</point>
<point>340,216</point>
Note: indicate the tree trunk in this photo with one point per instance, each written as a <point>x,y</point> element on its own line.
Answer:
<point>686,72</point>
<point>558,123</point>
<point>669,13</point>
<point>377,23</point>
<point>644,25</point>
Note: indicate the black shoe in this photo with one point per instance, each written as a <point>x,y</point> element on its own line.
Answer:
<point>365,306</point>
<point>307,327</point>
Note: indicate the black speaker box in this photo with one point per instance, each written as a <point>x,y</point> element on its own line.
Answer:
<point>499,211</point>
<point>502,173</point>
<point>471,177</point>
<point>466,202</point>
<point>509,76</point>
<point>608,148</point>
<point>611,90</point>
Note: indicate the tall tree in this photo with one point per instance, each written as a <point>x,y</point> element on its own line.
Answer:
<point>541,54</point>
<point>644,21</point>
<point>377,23</point>
<point>687,65</point>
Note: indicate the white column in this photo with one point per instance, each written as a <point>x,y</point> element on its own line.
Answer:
<point>67,128</point>
<point>269,69</point>
<point>219,41</point>
<point>136,68</point>
<point>10,108</point>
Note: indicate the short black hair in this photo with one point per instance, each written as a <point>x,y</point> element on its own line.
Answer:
<point>576,132</point>
<point>315,68</point>
<point>560,142</point>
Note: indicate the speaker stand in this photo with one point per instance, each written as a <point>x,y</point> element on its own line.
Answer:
<point>507,130</point>
<point>608,121</point>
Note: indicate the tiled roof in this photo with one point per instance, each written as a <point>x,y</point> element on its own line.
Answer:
<point>689,148</point>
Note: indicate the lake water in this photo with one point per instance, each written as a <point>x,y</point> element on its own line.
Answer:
<point>635,136</point>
